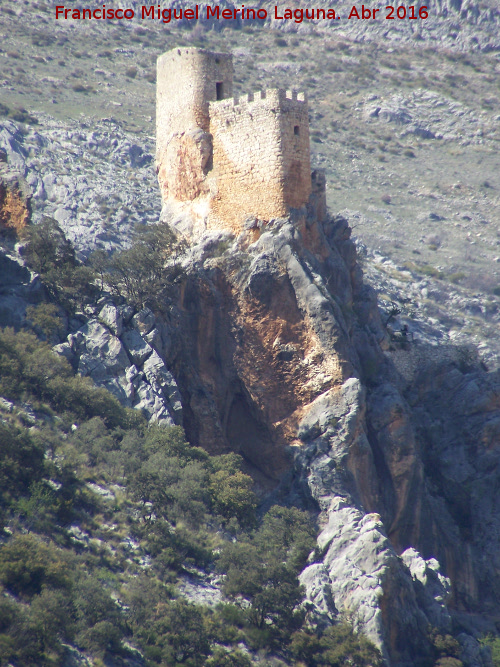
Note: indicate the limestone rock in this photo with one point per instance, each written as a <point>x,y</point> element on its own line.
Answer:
<point>318,590</point>
<point>102,354</point>
<point>151,403</point>
<point>81,192</point>
<point>111,316</point>
<point>473,654</point>
<point>143,321</point>
<point>19,288</point>
<point>136,346</point>
<point>113,363</point>
<point>432,588</point>
<point>162,381</point>
<point>154,339</point>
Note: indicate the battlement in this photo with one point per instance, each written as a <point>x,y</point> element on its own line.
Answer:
<point>270,96</point>
<point>230,156</point>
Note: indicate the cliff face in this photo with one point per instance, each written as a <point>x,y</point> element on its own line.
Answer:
<point>278,351</point>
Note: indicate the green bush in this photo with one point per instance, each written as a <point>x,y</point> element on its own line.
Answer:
<point>171,632</point>
<point>143,273</point>
<point>263,571</point>
<point>29,368</point>
<point>21,462</point>
<point>224,658</point>
<point>45,318</point>
<point>339,646</point>
<point>494,645</point>
<point>49,253</point>
<point>232,496</point>
<point>27,564</point>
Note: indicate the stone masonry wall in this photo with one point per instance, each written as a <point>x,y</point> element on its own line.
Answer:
<point>260,157</point>
<point>294,125</point>
<point>186,84</point>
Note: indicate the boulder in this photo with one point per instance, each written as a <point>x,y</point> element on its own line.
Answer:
<point>102,354</point>
<point>136,346</point>
<point>143,321</point>
<point>111,316</point>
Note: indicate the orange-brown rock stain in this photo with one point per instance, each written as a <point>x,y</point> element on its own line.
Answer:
<point>281,363</point>
<point>14,211</point>
<point>260,364</point>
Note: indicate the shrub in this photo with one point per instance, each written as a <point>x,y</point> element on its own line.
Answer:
<point>49,253</point>
<point>264,569</point>
<point>232,496</point>
<point>142,273</point>
<point>175,634</point>
<point>340,645</point>
<point>446,648</point>
<point>494,645</point>
<point>45,318</point>
<point>29,367</point>
<point>27,564</point>
<point>223,658</point>
<point>21,462</point>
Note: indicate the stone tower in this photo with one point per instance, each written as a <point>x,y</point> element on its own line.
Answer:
<point>222,159</point>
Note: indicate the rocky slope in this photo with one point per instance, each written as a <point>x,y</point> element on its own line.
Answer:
<point>276,349</point>
<point>282,344</point>
<point>94,180</point>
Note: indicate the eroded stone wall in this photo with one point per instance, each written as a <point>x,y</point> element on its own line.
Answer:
<point>294,127</point>
<point>186,83</point>
<point>187,80</point>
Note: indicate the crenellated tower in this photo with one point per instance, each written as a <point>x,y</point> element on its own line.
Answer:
<point>222,159</point>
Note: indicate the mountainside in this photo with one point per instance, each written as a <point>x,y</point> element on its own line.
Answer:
<point>277,349</point>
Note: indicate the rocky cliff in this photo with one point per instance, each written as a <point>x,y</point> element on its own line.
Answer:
<point>274,346</point>
<point>279,353</point>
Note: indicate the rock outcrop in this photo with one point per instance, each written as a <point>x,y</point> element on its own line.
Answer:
<point>118,350</point>
<point>275,349</point>
<point>66,168</point>
<point>279,353</point>
<point>15,205</point>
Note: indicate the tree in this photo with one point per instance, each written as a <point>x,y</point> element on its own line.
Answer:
<point>264,571</point>
<point>50,617</point>
<point>494,645</point>
<point>341,647</point>
<point>232,496</point>
<point>21,463</point>
<point>45,318</point>
<point>27,564</point>
<point>47,247</point>
<point>142,273</point>
<point>181,635</point>
<point>51,254</point>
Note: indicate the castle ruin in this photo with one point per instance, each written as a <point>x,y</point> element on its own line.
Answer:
<point>223,160</point>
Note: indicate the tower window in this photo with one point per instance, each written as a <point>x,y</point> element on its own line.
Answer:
<point>296,130</point>
<point>219,89</point>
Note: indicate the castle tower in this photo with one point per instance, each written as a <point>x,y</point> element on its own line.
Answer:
<point>188,79</point>
<point>261,156</point>
<point>219,159</point>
